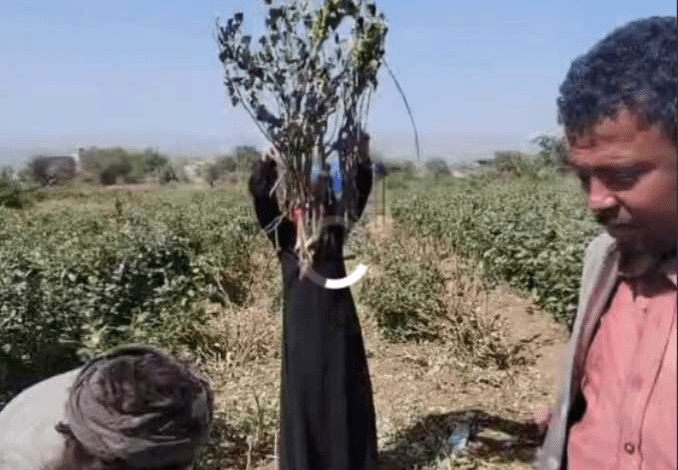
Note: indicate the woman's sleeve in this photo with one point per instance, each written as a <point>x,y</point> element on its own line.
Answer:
<point>364,184</point>
<point>280,230</point>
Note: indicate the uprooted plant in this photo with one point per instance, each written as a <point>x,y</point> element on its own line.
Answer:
<point>307,83</point>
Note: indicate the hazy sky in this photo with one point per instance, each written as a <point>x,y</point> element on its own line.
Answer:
<point>480,75</point>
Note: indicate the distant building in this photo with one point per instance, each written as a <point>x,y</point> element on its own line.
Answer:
<point>52,169</point>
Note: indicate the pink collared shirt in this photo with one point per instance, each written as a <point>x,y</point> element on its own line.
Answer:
<point>629,382</point>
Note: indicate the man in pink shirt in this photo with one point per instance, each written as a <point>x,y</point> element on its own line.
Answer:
<point>616,408</point>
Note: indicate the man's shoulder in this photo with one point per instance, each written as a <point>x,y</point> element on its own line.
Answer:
<point>27,423</point>
<point>596,264</point>
<point>596,252</point>
<point>45,397</point>
<point>600,246</point>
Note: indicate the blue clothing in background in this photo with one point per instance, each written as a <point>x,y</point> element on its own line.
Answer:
<point>335,176</point>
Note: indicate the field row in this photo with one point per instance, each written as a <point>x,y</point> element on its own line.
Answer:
<point>531,232</point>
<point>82,272</point>
<point>89,271</point>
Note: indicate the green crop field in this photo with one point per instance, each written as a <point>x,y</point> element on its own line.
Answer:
<point>531,232</point>
<point>83,269</point>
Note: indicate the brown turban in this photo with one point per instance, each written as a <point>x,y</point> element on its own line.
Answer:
<point>139,405</point>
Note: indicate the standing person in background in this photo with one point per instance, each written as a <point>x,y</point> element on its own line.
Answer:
<point>616,407</point>
<point>135,407</point>
<point>327,419</point>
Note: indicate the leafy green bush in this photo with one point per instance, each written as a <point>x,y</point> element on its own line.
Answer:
<point>79,281</point>
<point>14,193</point>
<point>14,196</point>
<point>529,231</point>
<point>437,167</point>
<point>407,296</point>
<point>117,165</point>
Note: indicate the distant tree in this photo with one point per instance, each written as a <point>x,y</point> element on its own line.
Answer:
<point>137,171</point>
<point>88,159</point>
<point>404,167</point>
<point>212,174</point>
<point>116,164</point>
<point>245,156</point>
<point>153,161</point>
<point>409,169</point>
<point>380,169</point>
<point>227,164</point>
<point>512,162</point>
<point>6,174</point>
<point>167,174</point>
<point>108,176</point>
<point>553,150</point>
<point>111,165</point>
<point>51,170</point>
<point>26,176</point>
<point>14,195</point>
<point>38,167</point>
<point>13,192</point>
<point>437,167</point>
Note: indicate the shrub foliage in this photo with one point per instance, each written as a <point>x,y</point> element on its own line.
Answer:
<point>531,232</point>
<point>78,281</point>
<point>407,298</point>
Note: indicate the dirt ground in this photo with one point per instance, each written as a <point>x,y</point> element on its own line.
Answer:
<point>422,389</point>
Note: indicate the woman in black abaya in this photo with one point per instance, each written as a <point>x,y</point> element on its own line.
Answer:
<point>327,419</point>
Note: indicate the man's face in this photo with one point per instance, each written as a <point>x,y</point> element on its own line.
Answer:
<point>629,174</point>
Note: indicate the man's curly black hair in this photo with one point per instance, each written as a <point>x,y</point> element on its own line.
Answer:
<point>633,68</point>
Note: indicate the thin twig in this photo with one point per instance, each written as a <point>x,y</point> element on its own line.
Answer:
<point>407,105</point>
<point>254,118</point>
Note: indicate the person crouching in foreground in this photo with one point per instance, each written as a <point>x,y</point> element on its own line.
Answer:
<point>327,419</point>
<point>135,408</point>
<point>616,407</point>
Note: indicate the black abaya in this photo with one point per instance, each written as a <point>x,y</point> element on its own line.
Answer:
<point>327,419</point>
